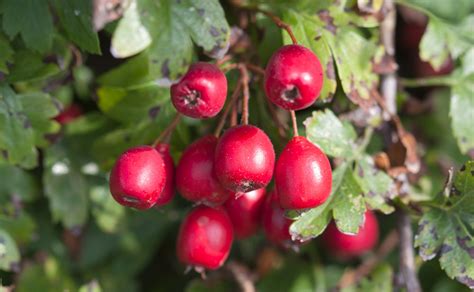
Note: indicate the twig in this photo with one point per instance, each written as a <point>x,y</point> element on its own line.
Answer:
<point>295,124</point>
<point>242,275</point>
<point>280,23</point>
<point>233,99</point>
<point>168,129</point>
<point>407,254</point>
<point>352,277</point>
<point>389,81</point>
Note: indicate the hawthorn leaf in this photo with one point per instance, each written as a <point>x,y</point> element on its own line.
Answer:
<point>106,212</point>
<point>6,53</point>
<point>31,19</point>
<point>18,223</point>
<point>167,29</point>
<point>376,185</point>
<point>30,66</point>
<point>17,137</point>
<point>334,137</point>
<point>447,231</point>
<point>442,40</point>
<point>17,183</point>
<point>9,253</point>
<point>76,19</point>
<point>462,105</point>
<point>130,37</point>
<point>348,205</point>
<point>65,185</point>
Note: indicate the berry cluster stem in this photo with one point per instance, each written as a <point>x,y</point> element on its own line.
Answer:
<point>294,122</point>
<point>168,129</point>
<point>280,23</point>
<point>246,94</point>
<point>233,99</point>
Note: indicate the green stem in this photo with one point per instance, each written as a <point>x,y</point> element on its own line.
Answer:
<point>430,81</point>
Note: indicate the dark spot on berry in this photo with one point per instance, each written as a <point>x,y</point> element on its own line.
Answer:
<point>201,12</point>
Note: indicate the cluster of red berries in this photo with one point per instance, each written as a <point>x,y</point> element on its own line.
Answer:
<point>227,176</point>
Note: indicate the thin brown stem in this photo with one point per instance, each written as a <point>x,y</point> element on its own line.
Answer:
<point>168,129</point>
<point>233,116</point>
<point>246,94</point>
<point>294,122</point>
<point>242,276</point>
<point>255,68</point>
<point>280,23</point>
<point>233,99</point>
<point>353,277</point>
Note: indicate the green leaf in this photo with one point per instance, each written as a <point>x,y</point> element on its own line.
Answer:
<point>9,254</point>
<point>92,286</point>
<point>48,276</point>
<point>29,66</point>
<point>17,182</point>
<point>442,40</point>
<point>17,223</point>
<point>447,231</point>
<point>348,205</point>
<point>40,108</point>
<point>31,19</point>
<point>377,186</point>
<point>380,279</point>
<point>134,105</point>
<point>462,105</point>
<point>17,137</point>
<point>6,53</point>
<point>24,121</point>
<point>106,212</point>
<point>172,26</point>
<point>65,186</point>
<point>130,37</point>
<point>76,18</point>
<point>335,138</point>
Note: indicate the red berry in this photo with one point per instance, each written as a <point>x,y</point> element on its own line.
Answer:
<point>169,189</point>
<point>205,238</point>
<point>69,114</point>
<point>195,176</point>
<point>303,176</point>
<point>244,210</point>
<point>202,91</point>
<point>244,159</point>
<point>275,224</point>
<point>293,77</point>
<point>347,245</point>
<point>138,177</point>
